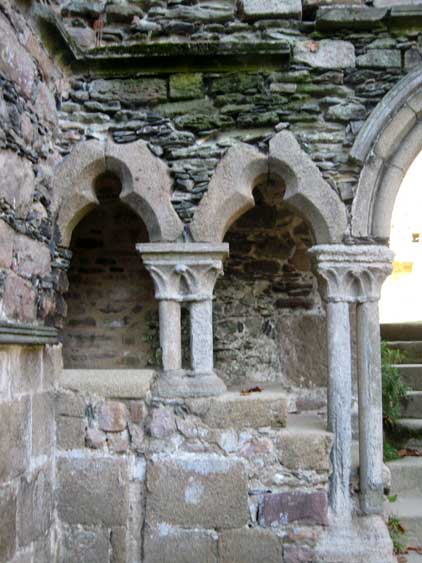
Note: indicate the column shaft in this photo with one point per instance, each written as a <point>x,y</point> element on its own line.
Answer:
<point>170,334</point>
<point>339,403</point>
<point>370,408</point>
<point>201,336</point>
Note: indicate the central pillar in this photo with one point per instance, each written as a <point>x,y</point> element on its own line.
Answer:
<point>337,291</point>
<point>185,274</point>
<point>354,275</point>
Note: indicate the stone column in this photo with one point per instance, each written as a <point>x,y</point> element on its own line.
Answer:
<point>336,284</point>
<point>354,274</point>
<point>186,273</point>
<point>375,266</point>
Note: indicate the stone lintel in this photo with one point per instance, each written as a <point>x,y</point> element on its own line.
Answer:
<point>18,333</point>
<point>352,274</point>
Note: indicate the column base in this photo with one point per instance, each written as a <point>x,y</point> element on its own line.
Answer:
<point>183,383</point>
<point>362,540</point>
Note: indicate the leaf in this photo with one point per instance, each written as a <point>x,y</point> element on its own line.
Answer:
<point>256,389</point>
<point>409,453</point>
<point>392,498</point>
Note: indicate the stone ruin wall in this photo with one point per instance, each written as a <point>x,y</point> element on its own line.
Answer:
<point>28,282</point>
<point>126,450</point>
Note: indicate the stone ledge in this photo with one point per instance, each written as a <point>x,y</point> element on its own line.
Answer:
<point>16,333</point>
<point>112,383</point>
<point>233,410</point>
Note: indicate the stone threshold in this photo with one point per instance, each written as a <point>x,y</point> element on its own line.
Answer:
<point>108,383</point>
<point>18,333</point>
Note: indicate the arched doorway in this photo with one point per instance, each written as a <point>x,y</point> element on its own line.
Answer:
<point>401,294</point>
<point>112,319</point>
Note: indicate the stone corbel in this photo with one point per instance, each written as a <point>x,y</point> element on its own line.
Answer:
<point>185,273</point>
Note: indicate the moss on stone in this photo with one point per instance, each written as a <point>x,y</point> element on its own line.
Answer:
<point>186,86</point>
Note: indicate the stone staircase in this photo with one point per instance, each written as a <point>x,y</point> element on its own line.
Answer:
<point>406,473</point>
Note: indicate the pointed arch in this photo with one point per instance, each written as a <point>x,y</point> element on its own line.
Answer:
<point>146,187</point>
<point>230,193</point>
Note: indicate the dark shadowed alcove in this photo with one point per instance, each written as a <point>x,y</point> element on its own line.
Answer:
<point>112,314</point>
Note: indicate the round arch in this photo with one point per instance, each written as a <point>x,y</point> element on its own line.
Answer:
<point>146,187</point>
<point>230,192</point>
<point>386,147</point>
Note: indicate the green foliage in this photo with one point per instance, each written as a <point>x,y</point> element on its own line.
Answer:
<point>396,533</point>
<point>393,389</point>
<point>390,452</point>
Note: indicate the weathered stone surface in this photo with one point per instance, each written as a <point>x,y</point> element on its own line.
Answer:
<point>197,490</point>
<point>163,423</point>
<point>249,545</point>
<point>167,544</point>
<point>284,508</point>
<point>143,90</point>
<point>147,188</point>
<point>14,440</point>
<point>233,410</point>
<point>93,491</point>
<point>389,3</point>
<point>26,363</point>
<point>42,424</point>
<point>8,506</point>
<point>255,9</point>
<point>352,17</point>
<point>186,86</point>
<point>16,181</point>
<point>7,235</point>
<point>326,53</point>
<point>19,299</point>
<point>70,433</point>
<point>113,384</point>
<point>85,544</point>
<point>70,404</point>
<point>305,450</point>
<point>380,58</point>
<point>229,193</point>
<point>15,62</point>
<point>112,416</point>
<point>35,505</point>
<point>303,360</point>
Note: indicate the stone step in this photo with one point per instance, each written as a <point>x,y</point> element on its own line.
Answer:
<point>401,331</point>
<point>407,433</point>
<point>406,475</point>
<point>408,509</point>
<point>411,405</point>
<point>412,350</point>
<point>411,375</point>
<point>413,557</point>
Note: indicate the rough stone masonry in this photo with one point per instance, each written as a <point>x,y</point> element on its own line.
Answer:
<point>107,142</point>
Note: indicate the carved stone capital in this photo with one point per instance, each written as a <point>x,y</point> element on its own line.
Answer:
<point>353,274</point>
<point>184,272</point>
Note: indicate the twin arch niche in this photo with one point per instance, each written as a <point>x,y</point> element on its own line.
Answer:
<point>147,188</point>
<point>176,253</point>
